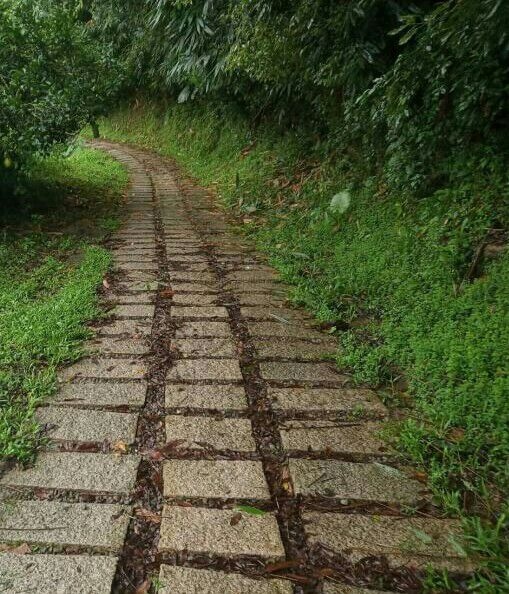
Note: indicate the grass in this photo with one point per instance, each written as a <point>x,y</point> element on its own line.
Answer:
<point>50,268</point>
<point>422,323</point>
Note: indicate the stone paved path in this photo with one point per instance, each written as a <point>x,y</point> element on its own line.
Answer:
<point>204,392</point>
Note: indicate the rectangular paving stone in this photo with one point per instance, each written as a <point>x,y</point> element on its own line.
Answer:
<point>77,472</point>
<point>258,276</point>
<point>415,542</point>
<point>135,311</point>
<point>206,397</point>
<point>292,349</point>
<point>194,287</point>
<point>205,369</point>
<point>346,400</point>
<point>118,345</point>
<point>204,347</point>
<point>200,530</point>
<point>262,299</point>
<point>199,312</point>
<point>331,436</point>
<point>221,434</point>
<point>195,300</point>
<point>87,425</point>
<point>57,574</point>
<point>282,330</point>
<point>232,479</point>
<point>201,329</point>
<point>105,368</point>
<point>130,266</point>
<point>187,259</point>
<point>186,277</point>
<point>88,394</point>
<point>282,315</point>
<point>134,286</point>
<point>147,297</point>
<point>127,327</point>
<point>185,580</point>
<point>66,524</point>
<point>306,372</point>
<point>348,480</point>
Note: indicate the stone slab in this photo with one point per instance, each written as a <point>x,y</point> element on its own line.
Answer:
<point>56,574</point>
<point>105,368</point>
<point>205,369</point>
<point>282,330</point>
<point>66,524</point>
<point>281,371</point>
<point>331,436</point>
<point>202,329</point>
<point>199,312</point>
<point>88,394</point>
<point>140,297</point>
<point>65,424</point>
<point>221,434</point>
<point>292,349</point>
<point>205,397</point>
<point>356,401</point>
<point>205,347</point>
<point>194,287</point>
<point>231,479</point>
<point>135,286</point>
<point>133,328</point>
<point>200,530</point>
<point>180,276</point>
<point>135,311</point>
<point>258,276</point>
<point>415,542</point>
<point>348,480</point>
<point>118,346</point>
<point>261,299</point>
<point>133,265</point>
<point>194,300</point>
<point>77,472</point>
<point>185,580</point>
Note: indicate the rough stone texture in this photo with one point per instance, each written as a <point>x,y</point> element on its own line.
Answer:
<point>101,394</point>
<point>207,397</point>
<point>56,574</point>
<point>193,300</point>
<point>135,311</point>
<point>253,287</point>
<point>140,297</point>
<point>200,530</point>
<point>118,346</point>
<point>184,580</point>
<point>105,368</point>
<point>301,372</point>
<point>291,349</point>
<point>133,328</point>
<point>85,524</point>
<point>133,286</point>
<point>221,434</point>
<point>258,276</point>
<point>205,369</point>
<point>282,330</point>
<point>152,266</point>
<point>262,299</point>
<point>201,329</point>
<point>88,425</point>
<point>333,588</point>
<point>414,542</point>
<point>282,315</point>
<point>347,480</point>
<point>199,312</point>
<point>205,347</point>
<point>219,478</point>
<point>194,287</point>
<point>329,436</point>
<point>77,472</point>
<point>323,399</point>
<point>200,277</point>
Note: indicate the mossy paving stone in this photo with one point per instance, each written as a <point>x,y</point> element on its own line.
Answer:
<point>56,574</point>
<point>185,580</point>
<point>99,525</point>
<point>413,542</point>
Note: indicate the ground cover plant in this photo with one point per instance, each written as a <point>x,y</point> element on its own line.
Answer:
<point>50,268</point>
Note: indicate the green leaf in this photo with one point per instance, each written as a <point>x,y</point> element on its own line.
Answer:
<point>252,511</point>
<point>340,202</point>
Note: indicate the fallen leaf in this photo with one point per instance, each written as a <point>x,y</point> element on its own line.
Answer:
<point>248,509</point>
<point>271,567</point>
<point>456,434</point>
<point>120,447</point>
<point>148,515</point>
<point>422,477</point>
<point>106,284</point>
<point>22,549</point>
<point>143,588</point>
<point>167,294</point>
<point>235,519</point>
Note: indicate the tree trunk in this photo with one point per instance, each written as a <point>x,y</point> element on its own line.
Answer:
<point>95,129</point>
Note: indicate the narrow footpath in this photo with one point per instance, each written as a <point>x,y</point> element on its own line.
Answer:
<point>204,445</point>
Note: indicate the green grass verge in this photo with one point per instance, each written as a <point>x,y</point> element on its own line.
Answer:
<point>425,325</point>
<point>49,272</point>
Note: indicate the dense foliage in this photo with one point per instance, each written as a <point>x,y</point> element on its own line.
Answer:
<point>54,77</point>
<point>408,84</point>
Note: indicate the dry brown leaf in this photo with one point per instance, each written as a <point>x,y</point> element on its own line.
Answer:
<point>166,294</point>
<point>22,549</point>
<point>106,284</point>
<point>150,516</point>
<point>235,519</point>
<point>143,588</point>
<point>120,447</point>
